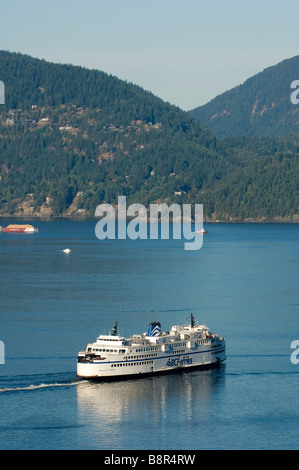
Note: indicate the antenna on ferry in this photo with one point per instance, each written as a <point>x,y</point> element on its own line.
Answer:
<point>114,331</point>
<point>192,321</point>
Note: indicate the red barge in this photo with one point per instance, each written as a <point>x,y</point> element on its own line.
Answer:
<point>20,229</point>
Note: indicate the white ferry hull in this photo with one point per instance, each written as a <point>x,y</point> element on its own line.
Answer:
<point>211,355</point>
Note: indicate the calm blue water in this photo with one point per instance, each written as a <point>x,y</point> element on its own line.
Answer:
<point>243,283</point>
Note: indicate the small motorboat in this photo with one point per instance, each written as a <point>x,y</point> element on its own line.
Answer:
<point>201,232</point>
<point>67,251</point>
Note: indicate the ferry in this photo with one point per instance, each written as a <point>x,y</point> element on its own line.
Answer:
<point>183,348</point>
<point>20,229</point>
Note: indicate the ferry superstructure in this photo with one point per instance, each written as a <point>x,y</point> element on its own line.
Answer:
<point>182,348</point>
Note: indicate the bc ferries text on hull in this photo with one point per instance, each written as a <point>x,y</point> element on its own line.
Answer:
<point>182,348</point>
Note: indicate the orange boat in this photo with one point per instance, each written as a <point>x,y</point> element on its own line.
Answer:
<point>20,229</point>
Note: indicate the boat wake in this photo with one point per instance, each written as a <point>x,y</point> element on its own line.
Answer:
<point>41,386</point>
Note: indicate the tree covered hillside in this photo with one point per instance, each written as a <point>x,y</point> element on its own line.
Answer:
<point>260,107</point>
<point>72,138</point>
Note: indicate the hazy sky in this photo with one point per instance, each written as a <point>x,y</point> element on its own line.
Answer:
<point>184,51</point>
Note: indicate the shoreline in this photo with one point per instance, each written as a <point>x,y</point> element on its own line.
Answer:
<point>79,218</point>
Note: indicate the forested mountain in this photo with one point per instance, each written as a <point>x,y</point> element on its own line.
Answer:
<point>261,106</point>
<point>73,138</point>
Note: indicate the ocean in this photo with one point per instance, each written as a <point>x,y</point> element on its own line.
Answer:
<point>243,284</point>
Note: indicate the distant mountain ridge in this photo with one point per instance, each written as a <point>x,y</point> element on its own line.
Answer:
<point>73,138</point>
<point>259,107</point>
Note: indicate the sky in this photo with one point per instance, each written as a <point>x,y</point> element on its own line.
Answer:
<point>184,51</point>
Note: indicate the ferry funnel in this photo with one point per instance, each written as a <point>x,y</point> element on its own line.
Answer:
<point>154,329</point>
<point>114,331</point>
